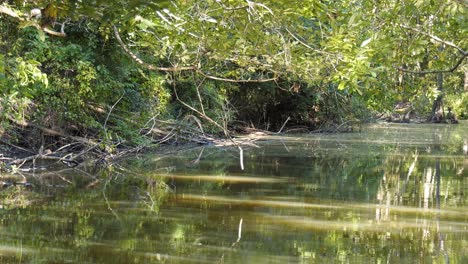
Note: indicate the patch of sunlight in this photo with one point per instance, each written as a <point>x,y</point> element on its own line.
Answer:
<point>225,178</point>
<point>14,250</point>
<point>365,225</point>
<point>462,211</point>
<point>266,203</point>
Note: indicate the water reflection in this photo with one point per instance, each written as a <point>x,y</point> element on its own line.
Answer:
<point>392,194</point>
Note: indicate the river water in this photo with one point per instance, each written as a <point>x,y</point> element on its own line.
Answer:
<point>394,193</point>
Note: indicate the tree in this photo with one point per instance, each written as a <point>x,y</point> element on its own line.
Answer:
<point>423,38</point>
<point>318,62</point>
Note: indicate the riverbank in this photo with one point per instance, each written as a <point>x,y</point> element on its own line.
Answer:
<point>68,152</point>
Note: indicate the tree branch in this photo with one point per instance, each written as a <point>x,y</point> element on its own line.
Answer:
<point>185,68</point>
<point>459,62</point>
<point>144,64</point>
<point>231,8</point>
<point>234,80</point>
<point>448,43</point>
<point>10,12</point>
<point>305,44</point>
<point>52,32</point>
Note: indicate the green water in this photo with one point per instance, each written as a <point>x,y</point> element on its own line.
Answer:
<point>391,194</point>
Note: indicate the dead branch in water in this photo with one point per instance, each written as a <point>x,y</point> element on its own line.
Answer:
<point>239,236</point>
<point>78,149</point>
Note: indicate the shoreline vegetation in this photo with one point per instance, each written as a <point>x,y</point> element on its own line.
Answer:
<point>70,151</point>
<point>92,80</point>
<point>66,151</point>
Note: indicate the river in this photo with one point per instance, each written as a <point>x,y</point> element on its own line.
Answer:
<point>394,193</point>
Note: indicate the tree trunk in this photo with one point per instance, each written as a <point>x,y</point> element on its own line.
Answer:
<point>437,113</point>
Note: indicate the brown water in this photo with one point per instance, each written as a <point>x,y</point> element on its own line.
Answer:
<point>391,194</point>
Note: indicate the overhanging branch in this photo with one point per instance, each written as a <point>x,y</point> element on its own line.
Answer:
<point>459,62</point>
<point>448,43</point>
<point>232,8</point>
<point>183,68</point>
<point>436,38</point>
<point>52,32</point>
<point>305,44</point>
<point>8,11</point>
<point>144,64</point>
<point>234,80</point>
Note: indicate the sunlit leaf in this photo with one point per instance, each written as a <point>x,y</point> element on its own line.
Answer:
<point>366,42</point>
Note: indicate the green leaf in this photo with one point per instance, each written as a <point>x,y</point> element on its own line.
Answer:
<point>41,35</point>
<point>357,90</point>
<point>342,86</point>
<point>27,23</point>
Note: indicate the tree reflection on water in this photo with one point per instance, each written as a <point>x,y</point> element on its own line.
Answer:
<point>393,194</point>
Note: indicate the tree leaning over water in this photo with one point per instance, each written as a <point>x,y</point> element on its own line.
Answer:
<point>95,70</point>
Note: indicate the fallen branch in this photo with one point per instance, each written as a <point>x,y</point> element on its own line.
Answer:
<point>239,236</point>
<point>61,134</point>
<point>241,157</point>
<point>239,233</point>
<point>35,157</point>
<point>284,124</point>
<point>17,147</point>
<point>52,132</point>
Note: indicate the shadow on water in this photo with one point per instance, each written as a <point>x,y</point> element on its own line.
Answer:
<point>392,194</point>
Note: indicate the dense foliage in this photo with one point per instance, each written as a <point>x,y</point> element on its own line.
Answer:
<point>95,69</point>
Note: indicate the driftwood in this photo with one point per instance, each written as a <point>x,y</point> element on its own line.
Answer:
<point>72,154</point>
